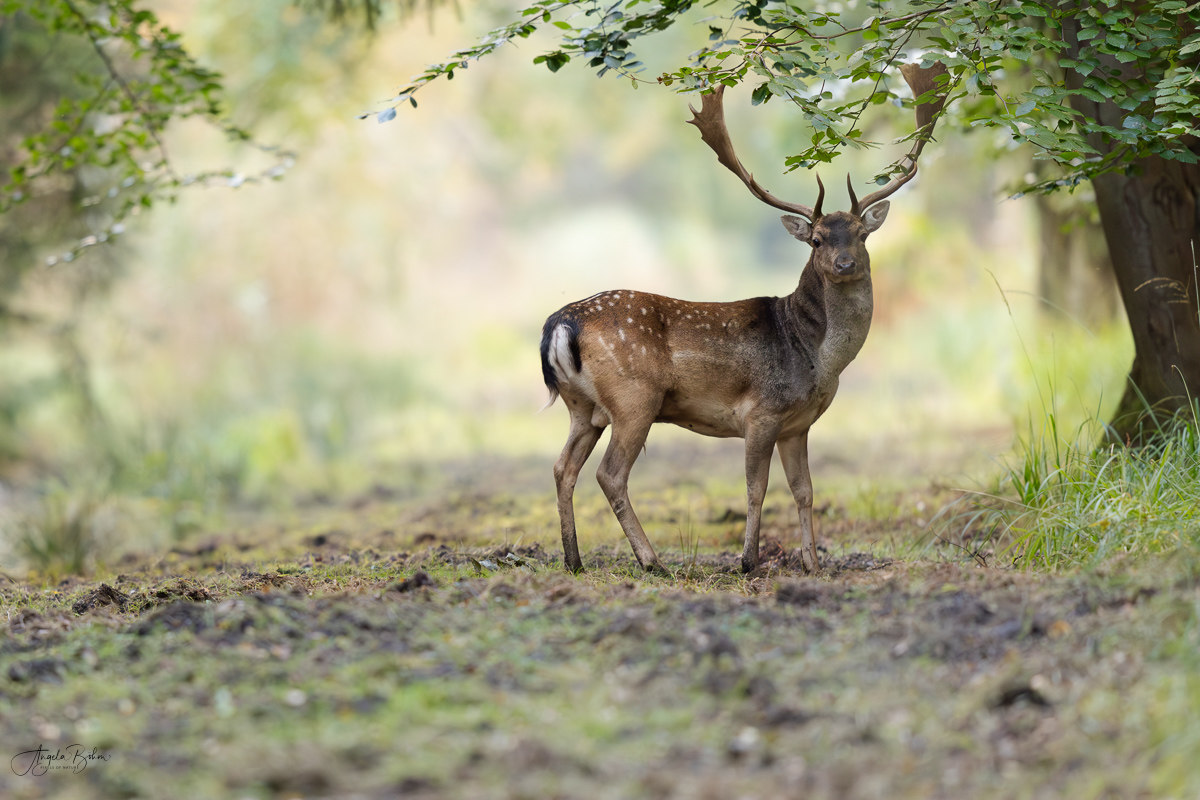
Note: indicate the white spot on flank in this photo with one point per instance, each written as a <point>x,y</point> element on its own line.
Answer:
<point>643,349</point>
<point>643,311</point>
<point>621,333</point>
<point>629,319</point>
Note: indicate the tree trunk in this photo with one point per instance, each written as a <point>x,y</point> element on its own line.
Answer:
<point>1150,218</point>
<point>1150,223</point>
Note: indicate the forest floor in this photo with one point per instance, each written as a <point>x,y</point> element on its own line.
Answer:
<point>428,644</point>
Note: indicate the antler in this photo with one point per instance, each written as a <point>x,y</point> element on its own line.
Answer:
<point>921,80</point>
<point>710,119</point>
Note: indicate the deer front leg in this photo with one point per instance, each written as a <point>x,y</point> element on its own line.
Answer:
<point>628,436</point>
<point>794,455</point>
<point>580,443</point>
<point>760,443</point>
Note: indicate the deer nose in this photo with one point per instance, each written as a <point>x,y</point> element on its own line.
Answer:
<point>844,265</point>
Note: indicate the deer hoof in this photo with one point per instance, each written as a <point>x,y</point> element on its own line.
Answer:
<point>749,566</point>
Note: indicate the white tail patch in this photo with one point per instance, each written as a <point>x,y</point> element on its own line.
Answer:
<point>559,356</point>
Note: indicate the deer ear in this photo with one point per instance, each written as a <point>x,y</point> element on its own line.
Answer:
<point>875,215</point>
<point>798,227</point>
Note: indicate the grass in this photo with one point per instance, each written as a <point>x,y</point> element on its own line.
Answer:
<point>62,536</point>
<point>351,646</point>
<point>249,667</point>
<point>1064,505</point>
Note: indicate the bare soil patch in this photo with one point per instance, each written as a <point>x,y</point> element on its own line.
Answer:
<point>322,661</point>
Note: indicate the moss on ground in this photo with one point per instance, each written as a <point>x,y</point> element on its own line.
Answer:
<point>378,649</point>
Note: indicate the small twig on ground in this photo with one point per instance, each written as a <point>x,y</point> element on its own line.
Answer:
<point>980,559</point>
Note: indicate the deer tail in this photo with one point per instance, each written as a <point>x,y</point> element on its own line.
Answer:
<point>561,360</point>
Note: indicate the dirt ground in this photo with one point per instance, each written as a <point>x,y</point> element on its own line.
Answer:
<point>431,646</point>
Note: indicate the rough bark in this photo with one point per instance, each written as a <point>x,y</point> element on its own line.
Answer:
<point>1150,224</point>
<point>1150,218</point>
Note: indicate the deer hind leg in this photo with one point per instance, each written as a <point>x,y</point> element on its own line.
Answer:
<point>760,444</point>
<point>794,455</point>
<point>628,436</point>
<point>580,443</point>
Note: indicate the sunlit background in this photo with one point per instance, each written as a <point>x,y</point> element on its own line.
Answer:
<point>373,318</point>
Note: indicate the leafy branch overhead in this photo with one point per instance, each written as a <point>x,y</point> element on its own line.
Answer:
<point>139,78</point>
<point>1028,67</point>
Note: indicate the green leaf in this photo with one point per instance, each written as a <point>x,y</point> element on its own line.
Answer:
<point>553,61</point>
<point>1025,108</point>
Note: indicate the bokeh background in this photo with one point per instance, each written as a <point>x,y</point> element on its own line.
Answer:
<point>372,319</point>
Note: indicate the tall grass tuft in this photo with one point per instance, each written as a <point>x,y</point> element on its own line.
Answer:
<point>64,534</point>
<point>1072,504</point>
<point>1068,503</point>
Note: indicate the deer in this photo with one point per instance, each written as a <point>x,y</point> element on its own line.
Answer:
<point>763,369</point>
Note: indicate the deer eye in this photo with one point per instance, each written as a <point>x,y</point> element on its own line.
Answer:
<point>816,243</point>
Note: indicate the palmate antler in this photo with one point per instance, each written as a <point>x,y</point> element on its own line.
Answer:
<point>921,80</point>
<point>710,119</point>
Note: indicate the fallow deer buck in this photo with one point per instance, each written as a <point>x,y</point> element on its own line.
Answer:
<point>762,369</point>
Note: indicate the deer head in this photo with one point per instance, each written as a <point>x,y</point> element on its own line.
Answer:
<point>838,239</point>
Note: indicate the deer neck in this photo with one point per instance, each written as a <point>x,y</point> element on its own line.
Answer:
<point>829,321</point>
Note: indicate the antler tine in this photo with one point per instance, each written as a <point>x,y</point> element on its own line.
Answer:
<point>854,208</point>
<point>710,119</point>
<point>921,80</point>
<point>820,198</point>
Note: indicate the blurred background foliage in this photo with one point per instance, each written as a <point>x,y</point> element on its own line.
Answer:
<point>381,305</point>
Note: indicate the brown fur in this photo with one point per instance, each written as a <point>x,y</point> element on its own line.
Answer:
<point>762,369</point>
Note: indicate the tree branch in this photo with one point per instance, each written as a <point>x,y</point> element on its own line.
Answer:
<point>116,76</point>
